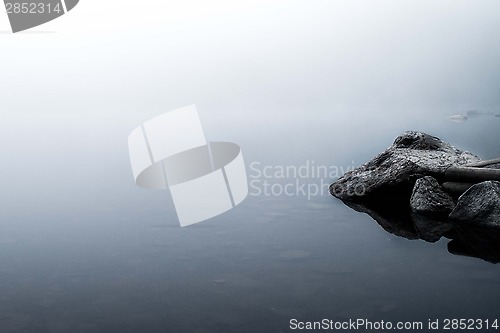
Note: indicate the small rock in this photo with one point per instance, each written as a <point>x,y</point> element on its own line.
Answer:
<point>458,118</point>
<point>429,198</point>
<point>480,204</point>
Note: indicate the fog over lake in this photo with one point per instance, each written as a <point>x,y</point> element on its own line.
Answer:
<point>320,84</point>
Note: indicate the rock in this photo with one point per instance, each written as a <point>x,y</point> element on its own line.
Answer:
<point>429,198</point>
<point>480,204</point>
<point>493,166</point>
<point>400,189</point>
<point>458,118</point>
<point>412,155</point>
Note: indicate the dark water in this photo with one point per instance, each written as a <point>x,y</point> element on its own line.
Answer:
<point>84,250</point>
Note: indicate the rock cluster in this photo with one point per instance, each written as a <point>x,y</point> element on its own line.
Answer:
<point>413,155</point>
<point>410,170</point>
<point>404,190</point>
<point>480,204</point>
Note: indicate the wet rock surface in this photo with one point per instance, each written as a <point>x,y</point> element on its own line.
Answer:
<point>428,197</point>
<point>480,204</point>
<point>413,155</point>
<point>403,189</point>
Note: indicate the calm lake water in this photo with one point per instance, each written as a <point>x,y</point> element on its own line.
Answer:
<point>82,249</point>
<point>294,83</point>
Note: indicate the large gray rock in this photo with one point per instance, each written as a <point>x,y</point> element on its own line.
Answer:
<point>412,155</point>
<point>428,197</point>
<point>480,204</point>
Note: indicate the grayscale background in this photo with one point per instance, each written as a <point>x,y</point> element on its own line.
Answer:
<point>83,249</point>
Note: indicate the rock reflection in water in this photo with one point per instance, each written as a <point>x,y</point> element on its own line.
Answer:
<point>465,240</point>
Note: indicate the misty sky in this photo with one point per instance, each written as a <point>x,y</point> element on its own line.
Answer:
<point>254,57</point>
<point>282,69</point>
